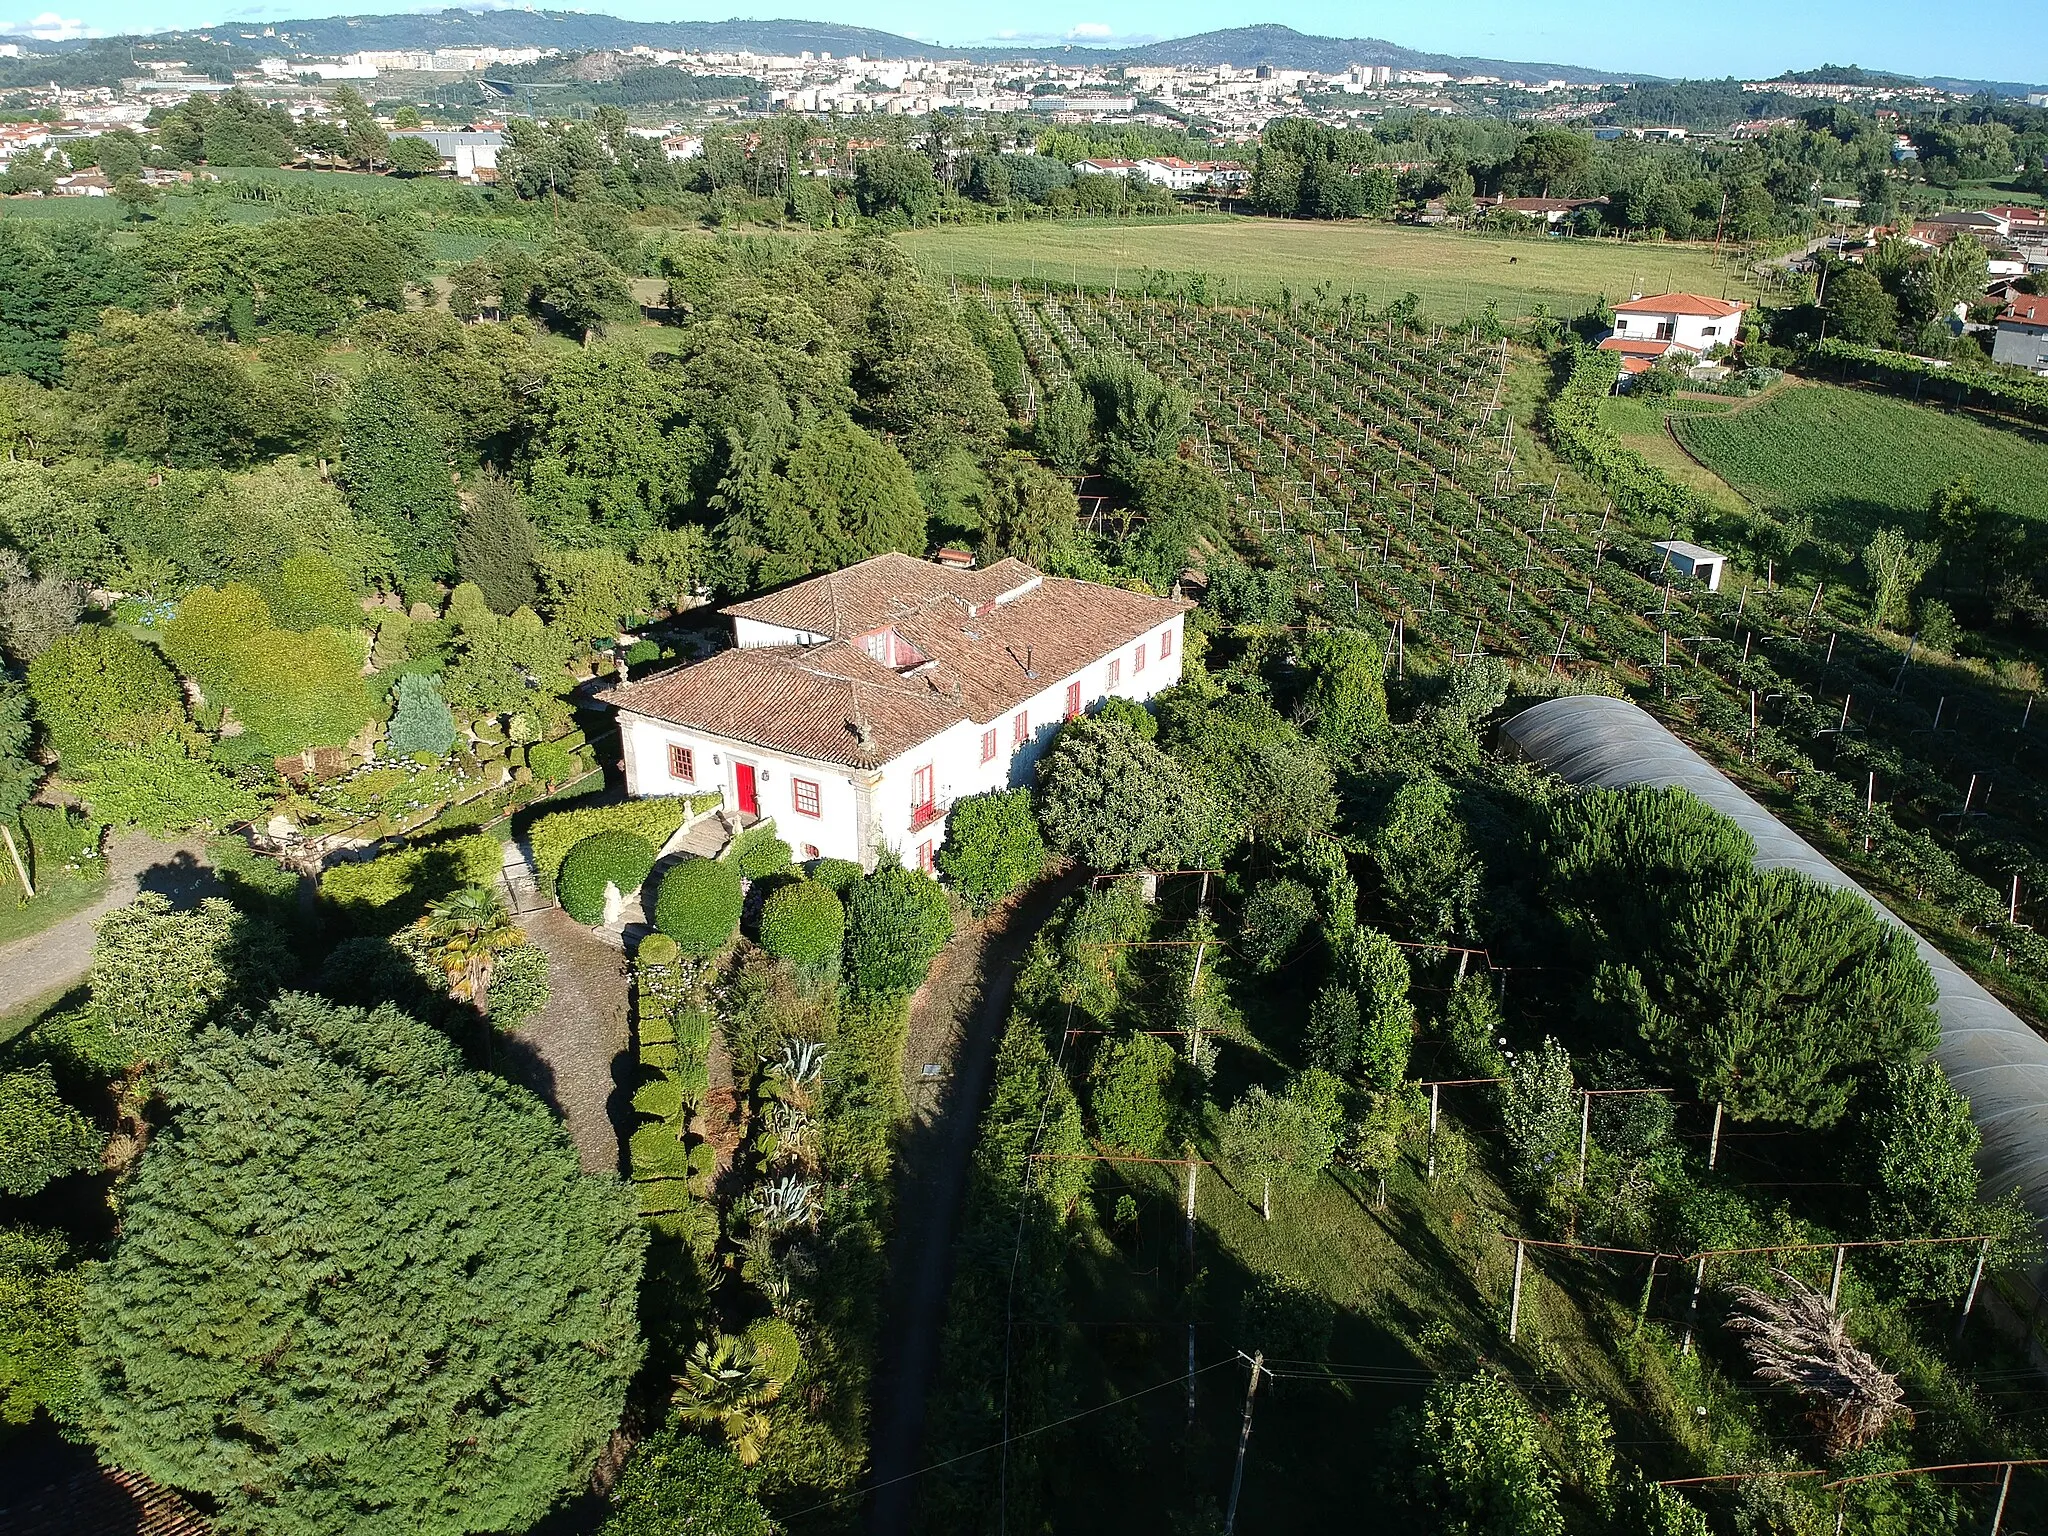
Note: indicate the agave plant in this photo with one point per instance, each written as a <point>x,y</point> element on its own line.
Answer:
<point>790,1124</point>
<point>800,1061</point>
<point>785,1203</point>
<point>723,1387</point>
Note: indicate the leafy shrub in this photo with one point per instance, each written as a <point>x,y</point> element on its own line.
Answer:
<point>59,836</point>
<point>699,905</point>
<point>98,688</point>
<point>552,763</point>
<point>158,788</point>
<point>758,853</point>
<point>158,975</point>
<point>602,859</point>
<point>836,875</point>
<point>1129,1095</point>
<point>1479,1463</point>
<point>897,921</point>
<point>993,846</point>
<point>1287,1318</point>
<point>804,923</point>
<point>679,1482</point>
<point>776,1348</point>
<point>41,1137</point>
<point>422,722</point>
<point>1273,921</point>
<point>519,985</point>
<point>389,892</point>
<point>552,836</point>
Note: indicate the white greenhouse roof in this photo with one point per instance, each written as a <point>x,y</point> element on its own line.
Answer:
<point>1988,1051</point>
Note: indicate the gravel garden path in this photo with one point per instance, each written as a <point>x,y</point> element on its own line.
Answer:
<point>577,1052</point>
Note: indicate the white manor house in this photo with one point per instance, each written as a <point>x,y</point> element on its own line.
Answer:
<point>855,708</point>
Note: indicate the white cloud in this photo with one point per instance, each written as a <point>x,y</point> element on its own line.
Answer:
<point>1090,32</point>
<point>47,28</point>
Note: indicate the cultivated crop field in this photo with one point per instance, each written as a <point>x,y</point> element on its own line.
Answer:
<point>1453,274</point>
<point>1381,468</point>
<point>1853,461</point>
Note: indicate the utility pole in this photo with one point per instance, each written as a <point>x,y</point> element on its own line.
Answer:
<point>1244,1436</point>
<point>1194,1167</point>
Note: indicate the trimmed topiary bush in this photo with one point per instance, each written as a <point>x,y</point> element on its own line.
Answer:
<point>776,1348</point>
<point>993,847</point>
<point>659,949</point>
<point>551,837</point>
<point>758,853</point>
<point>897,920</point>
<point>836,875</point>
<point>699,905</point>
<point>604,858</point>
<point>803,923</point>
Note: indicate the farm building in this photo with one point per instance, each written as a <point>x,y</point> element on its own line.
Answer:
<point>2022,338</point>
<point>856,707</point>
<point>1646,329</point>
<point>1694,560</point>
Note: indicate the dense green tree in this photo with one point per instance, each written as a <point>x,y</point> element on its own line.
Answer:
<point>97,689</point>
<point>1895,565</point>
<point>1478,1462</point>
<point>394,467</point>
<point>896,186</point>
<point>677,1484</point>
<point>156,786</point>
<point>1539,1107</point>
<point>1116,802</point>
<point>41,1137</point>
<point>1859,309</point>
<point>40,1285</point>
<point>993,847</point>
<point>494,546</point>
<point>311,591</point>
<point>165,393</point>
<point>1778,996</point>
<point>1426,860</point>
<point>897,921</point>
<point>19,772</point>
<point>1271,782</point>
<point>1345,702</point>
<point>158,974</point>
<point>1178,500</point>
<point>1130,1094</point>
<point>613,441</point>
<point>1031,513</point>
<point>590,593</point>
<point>1279,912</point>
<point>475,1363</point>
<point>1628,861</point>
<point>289,691</point>
<point>1374,968</point>
<point>54,281</point>
<point>577,289</point>
<point>1064,433</point>
<point>839,497</point>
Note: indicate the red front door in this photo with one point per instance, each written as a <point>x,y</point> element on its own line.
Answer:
<point>750,802</point>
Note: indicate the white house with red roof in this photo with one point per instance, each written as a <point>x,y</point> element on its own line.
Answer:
<point>856,707</point>
<point>1647,329</point>
<point>2022,338</point>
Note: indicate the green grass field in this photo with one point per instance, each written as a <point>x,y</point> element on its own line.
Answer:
<point>1854,461</point>
<point>1453,274</point>
<point>1639,424</point>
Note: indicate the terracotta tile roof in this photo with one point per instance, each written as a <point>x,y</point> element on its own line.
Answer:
<point>865,597</point>
<point>835,703</point>
<point>1680,304</point>
<point>2027,308</point>
<point>73,1497</point>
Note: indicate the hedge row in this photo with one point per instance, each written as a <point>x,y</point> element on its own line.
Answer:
<point>2024,398</point>
<point>390,892</point>
<point>552,836</point>
<point>673,1179</point>
<point>600,861</point>
<point>1637,487</point>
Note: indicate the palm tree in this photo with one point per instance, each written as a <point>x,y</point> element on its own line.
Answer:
<point>469,930</point>
<point>723,1387</point>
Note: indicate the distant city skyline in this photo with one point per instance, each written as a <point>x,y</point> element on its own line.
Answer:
<point>1748,38</point>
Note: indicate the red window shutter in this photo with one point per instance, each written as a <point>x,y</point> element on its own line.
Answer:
<point>1020,729</point>
<point>1073,700</point>
<point>1116,670</point>
<point>682,764</point>
<point>1165,644</point>
<point>988,745</point>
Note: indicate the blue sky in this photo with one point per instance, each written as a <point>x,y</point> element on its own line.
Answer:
<point>1969,38</point>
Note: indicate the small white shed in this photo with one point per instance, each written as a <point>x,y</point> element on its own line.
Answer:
<point>1694,560</point>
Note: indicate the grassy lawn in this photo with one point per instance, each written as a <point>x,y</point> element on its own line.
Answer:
<point>1639,424</point>
<point>56,899</point>
<point>1855,461</point>
<point>1454,274</point>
